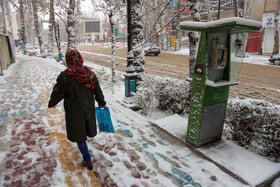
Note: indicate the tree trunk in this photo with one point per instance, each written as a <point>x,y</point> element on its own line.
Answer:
<point>236,8</point>
<point>248,6</point>
<point>71,26</point>
<point>208,10</point>
<point>161,25</point>
<point>177,27</point>
<point>4,29</point>
<point>276,26</point>
<point>168,31</point>
<point>157,27</point>
<point>51,22</point>
<point>113,40</point>
<point>137,37</point>
<point>55,28</point>
<point>193,36</point>
<point>9,17</point>
<point>37,26</point>
<point>22,27</point>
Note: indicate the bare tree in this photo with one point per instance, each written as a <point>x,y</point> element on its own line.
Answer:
<point>276,29</point>
<point>58,8</point>
<point>8,12</point>
<point>209,10</point>
<point>193,36</point>
<point>37,26</point>
<point>114,10</point>
<point>154,22</point>
<point>168,30</point>
<point>248,6</point>
<point>150,29</point>
<point>71,30</point>
<point>51,23</point>
<point>29,23</point>
<point>4,29</point>
<point>55,28</point>
<point>155,29</point>
<point>22,26</point>
<point>113,40</point>
<point>177,46</point>
<point>236,8</point>
<point>137,36</point>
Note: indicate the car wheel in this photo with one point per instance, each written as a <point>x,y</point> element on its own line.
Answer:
<point>277,62</point>
<point>156,54</point>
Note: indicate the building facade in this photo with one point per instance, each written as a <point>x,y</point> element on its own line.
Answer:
<point>13,28</point>
<point>268,16</point>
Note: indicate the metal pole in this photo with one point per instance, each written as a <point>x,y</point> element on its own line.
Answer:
<point>219,9</point>
<point>59,46</point>
<point>129,40</point>
<point>130,77</point>
<point>129,26</point>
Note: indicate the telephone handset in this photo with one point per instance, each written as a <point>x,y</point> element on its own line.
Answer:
<point>219,57</point>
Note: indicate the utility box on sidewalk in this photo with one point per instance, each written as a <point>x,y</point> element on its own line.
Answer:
<point>131,76</point>
<point>218,63</point>
<point>130,83</point>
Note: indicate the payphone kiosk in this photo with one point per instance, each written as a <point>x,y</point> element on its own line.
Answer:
<point>220,55</point>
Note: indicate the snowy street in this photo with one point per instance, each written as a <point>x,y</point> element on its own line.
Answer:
<point>255,79</point>
<point>34,150</point>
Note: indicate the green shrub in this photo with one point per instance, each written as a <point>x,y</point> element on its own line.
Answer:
<point>166,94</point>
<point>255,123</point>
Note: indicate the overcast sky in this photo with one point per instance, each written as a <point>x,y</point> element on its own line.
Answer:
<point>86,6</point>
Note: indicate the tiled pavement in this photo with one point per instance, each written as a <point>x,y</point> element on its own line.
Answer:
<point>37,152</point>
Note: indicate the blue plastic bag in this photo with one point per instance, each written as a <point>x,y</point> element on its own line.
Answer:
<point>104,120</point>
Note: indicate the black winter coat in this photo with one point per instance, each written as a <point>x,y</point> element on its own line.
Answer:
<point>79,106</point>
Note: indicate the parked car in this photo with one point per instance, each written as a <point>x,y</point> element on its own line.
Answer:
<point>28,46</point>
<point>151,48</point>
<point>63,44</point>
<point>275,59</point>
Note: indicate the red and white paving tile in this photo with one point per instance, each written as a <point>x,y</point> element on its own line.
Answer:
<point>34,150</point>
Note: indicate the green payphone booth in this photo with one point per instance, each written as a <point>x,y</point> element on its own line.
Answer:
<point>218,63</point>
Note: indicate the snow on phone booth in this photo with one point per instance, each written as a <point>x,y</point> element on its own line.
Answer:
<point>219,58</point>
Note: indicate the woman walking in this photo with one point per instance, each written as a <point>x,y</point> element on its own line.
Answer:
<point>79,87</point>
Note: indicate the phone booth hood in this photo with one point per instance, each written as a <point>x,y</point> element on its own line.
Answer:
<point>225,42</point>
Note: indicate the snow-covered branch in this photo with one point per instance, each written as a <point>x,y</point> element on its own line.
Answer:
<point>161,13</point>
<point>163,26</point>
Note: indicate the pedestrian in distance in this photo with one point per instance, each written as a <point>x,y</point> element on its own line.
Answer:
<point>79,87</point>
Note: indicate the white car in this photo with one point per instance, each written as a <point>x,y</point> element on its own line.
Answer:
<point>151,48</point>
<point>28,46</point>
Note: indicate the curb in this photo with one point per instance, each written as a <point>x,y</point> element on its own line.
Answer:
<point>265,183</point>
<point>201,155</point>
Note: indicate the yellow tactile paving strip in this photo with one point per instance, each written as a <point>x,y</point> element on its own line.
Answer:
<point>69,158</point>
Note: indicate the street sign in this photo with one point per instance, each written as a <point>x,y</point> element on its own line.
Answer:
<point>116,32</point>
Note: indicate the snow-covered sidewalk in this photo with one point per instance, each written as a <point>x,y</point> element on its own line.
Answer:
<point>34,150</point>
